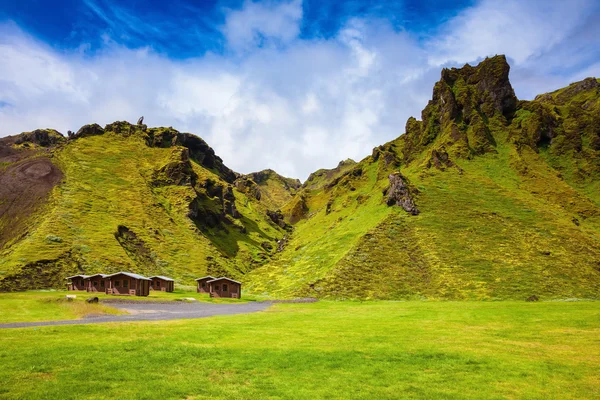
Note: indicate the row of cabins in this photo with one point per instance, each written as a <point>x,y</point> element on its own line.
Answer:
<point>130,284</point>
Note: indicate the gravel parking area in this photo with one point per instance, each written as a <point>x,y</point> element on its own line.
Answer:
<point>151,311</point>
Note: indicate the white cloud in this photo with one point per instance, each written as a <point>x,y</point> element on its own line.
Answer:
<point>262,23</point>
<point>282,102</point>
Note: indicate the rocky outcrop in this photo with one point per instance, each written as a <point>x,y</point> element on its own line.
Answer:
<point>89,130</point>
<point>398,193</point>
<point>40,137</point>
<point>246,185</point>
<point>178,171</point>
<point>439,159</point>
<point>464,102</point>
<point>277,218</point>
<point>261,177</point>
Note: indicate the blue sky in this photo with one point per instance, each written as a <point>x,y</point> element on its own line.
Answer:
<point>290,85</point>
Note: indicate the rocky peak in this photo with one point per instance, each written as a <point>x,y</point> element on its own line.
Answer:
<point>463,102</point>
<point>40,137</point>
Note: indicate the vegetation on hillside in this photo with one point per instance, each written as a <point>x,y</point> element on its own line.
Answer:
<point>503,214</point>
<point>484,197</point>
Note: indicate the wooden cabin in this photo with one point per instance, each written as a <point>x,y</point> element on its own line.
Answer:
<point>225,287</point>
<point>127,284</point>
<point>96,283</point>
<point>162,283</point>
<point>77,282</point>
<point>203,286</point>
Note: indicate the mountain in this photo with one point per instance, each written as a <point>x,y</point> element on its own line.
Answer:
<point>484,197</point>
<point>127,197</point>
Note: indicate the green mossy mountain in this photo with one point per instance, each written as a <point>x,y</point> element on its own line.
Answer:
<point>128,197</point>
<point>491,198</point>
<point>484,197</point>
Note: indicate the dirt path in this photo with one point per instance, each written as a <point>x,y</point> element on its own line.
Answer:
<point>148,311</point>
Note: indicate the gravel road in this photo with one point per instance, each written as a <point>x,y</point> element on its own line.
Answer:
<point>149,311</point>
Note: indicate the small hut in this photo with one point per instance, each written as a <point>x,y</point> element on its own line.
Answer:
<point>77,282</point>
<point>225,287</point>
<point>162,283</point>
<point>128,284</point>
<point>203,286</point>
<point>95,283</point>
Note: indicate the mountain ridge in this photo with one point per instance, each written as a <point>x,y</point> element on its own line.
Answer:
<point>486,196</point>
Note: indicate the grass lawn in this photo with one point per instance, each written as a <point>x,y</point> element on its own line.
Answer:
<point>371,350</point>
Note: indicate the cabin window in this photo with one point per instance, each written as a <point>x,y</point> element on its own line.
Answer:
<point>203,284</point>
<point>101,283</point>
<point>224,287</point>
<point>81,282</point>
<point>125,283</point>
<point>117,283</point>
<point>95,283</point>
<point>157,284</point>
<point>216,287</point>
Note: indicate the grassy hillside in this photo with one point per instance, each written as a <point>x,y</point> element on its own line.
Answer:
<point>507,209</point>
<point>125,205</point>
<point>484,197</point>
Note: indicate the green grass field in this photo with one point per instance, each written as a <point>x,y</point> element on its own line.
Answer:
<point>333,350</point>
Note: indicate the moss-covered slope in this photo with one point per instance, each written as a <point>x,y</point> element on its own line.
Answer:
<point>505,195</point>
<point>153,201</point>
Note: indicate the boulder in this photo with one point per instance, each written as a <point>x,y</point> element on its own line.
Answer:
<point>92,300</point>
<point>399,194</point>
<point>89,130</point>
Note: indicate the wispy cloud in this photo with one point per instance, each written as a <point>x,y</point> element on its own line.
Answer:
<point>277,100</point>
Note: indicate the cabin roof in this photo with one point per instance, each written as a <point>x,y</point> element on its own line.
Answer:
<point>95,275</point>
<point>129,274</point>
<point>205,277</point>
<point>164,278</point>
<point>225,278</point>
<point>77,276</point>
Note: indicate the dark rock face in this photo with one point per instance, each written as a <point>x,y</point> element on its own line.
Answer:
<point>213,205</point>
<point>277,218</point>
<point>399,194</point>
<point>89,130</point>
<point>92,300</point>
<point>124,128</point>
<point>439,159</point>
<point>41,137</point>
<point>248,186</point>
<point>177,172</point>
<point>201,152</point>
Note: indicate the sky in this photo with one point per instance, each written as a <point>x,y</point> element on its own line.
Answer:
<point>289,85</point>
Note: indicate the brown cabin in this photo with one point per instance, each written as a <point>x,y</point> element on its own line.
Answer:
<point>162,283</point>
<point>127,284</point>
<point>203,286</point>
<point>77,282</point>
<point>96,283</point>
<point>225,287</point>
